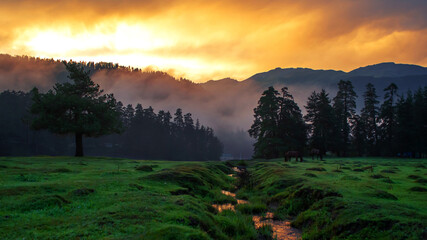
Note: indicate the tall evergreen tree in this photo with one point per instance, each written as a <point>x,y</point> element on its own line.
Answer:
<point>344,107</point>
<point>179,119</point>
<point>264,128</point>
<point>369,116</point>
<point>405,129</point>
<point>128,115</point>
<point>358,130</point>
<point>320,118</point>
<point>420,121</point>
<point>388,121</point>
<point>291,127</point>
<point>78,107</point>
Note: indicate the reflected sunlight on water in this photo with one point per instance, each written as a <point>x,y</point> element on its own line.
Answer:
<point>282,230</point>
<point>228,206</point>
<point>222,207</point>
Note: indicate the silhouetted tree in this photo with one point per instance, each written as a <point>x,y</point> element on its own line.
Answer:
<point>320,118</point>
<point>420,122</point>
<point>405,129</point>
<point>78,107</point>
<point>358,133</point>
<point>344,107</point>
<point>369,116</point>
<point>388,121</point>
<point>264,128</point>
<point>291,126</point>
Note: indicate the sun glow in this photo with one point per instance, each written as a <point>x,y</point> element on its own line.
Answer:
<point>122,38</point>
<point>212,40</point>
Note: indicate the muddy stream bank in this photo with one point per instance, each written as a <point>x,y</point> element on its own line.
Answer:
<point>282,230</point>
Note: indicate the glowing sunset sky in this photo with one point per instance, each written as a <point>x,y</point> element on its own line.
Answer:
<point>204,40</point>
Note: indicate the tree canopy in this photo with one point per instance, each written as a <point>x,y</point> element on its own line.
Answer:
<point>344,107</point>
<point>278,125</point>
<point>77,107</point>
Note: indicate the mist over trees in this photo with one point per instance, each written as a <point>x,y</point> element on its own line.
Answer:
<point>394,128</point>
<point>147,135</point>
<point>225,105</point>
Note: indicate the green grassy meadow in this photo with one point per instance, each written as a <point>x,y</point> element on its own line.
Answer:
<point>108,198</point>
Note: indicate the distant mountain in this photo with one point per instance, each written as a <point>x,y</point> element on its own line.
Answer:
<point>389,69</point>
<point>405,76</point>
<point>299,76</point>
<point>326,78</point>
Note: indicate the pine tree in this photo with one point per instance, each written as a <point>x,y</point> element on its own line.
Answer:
<point>358,131</point>
<point>369,116</point>
<point>320,118</point>
<point>291,126</point>
<point>420,121</point>
<point>388,121</point>
<point>405,129</point>
<point>78,107</point>
<point>344,107</point>
<point>264,128</point>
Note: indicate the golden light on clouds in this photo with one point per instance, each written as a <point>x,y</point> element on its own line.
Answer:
<point>203,41</point>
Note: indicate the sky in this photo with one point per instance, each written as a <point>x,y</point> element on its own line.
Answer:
<point>204,40</point>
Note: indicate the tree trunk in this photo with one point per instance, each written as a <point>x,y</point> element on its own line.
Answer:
<point>79,145</point>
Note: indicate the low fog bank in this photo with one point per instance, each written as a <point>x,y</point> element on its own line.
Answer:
<point>228,110</point>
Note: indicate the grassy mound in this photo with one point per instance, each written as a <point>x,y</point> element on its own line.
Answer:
<point>319,169</point>
<point>42,202</point>
<point>351,178</point>
<point>414,177</point>
<point>418,189</point>
<point>82,192</point>
<point>383,195</point>
<point>144,168</point>
<point>421,180</point>
<point>310,175</point>
<point>377,176</point>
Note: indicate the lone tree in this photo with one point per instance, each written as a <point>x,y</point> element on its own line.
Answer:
<point>79,108</point>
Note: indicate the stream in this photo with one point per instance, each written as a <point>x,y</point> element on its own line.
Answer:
<point>282,230</point>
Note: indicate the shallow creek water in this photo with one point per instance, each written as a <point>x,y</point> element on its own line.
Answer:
<point>282,230</point>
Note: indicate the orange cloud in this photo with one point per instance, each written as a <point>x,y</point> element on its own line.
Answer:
<point>203,40</point>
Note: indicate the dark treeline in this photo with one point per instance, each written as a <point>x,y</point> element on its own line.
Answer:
<point>147,135</point>
<point>395,127</point>
<point>92,66</point>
